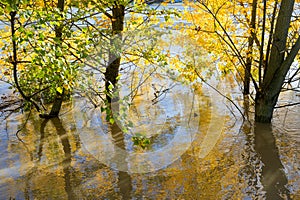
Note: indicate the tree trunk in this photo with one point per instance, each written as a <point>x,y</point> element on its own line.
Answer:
<point>14,58</point>
<point>112,70</point>
<point>250,49</point>
<point>278,66</point>
<point>59,97</point>
<point>56,105</point>
<point>264,107</point>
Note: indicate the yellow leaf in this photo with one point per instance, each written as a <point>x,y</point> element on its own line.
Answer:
<point>59,90</point>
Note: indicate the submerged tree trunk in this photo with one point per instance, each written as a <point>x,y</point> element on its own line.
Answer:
<point>278,66</point>
<point>59,96</point>
<point>112,70</point>
<point>264,107</point>
<point>58,34</point>
<point>56,105</point>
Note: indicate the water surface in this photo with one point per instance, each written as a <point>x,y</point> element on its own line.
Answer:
<point>71,158</point>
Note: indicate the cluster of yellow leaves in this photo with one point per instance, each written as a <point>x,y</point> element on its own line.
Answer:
<point>4,61</point>
<point>205,30</point>
<point>222,28</point>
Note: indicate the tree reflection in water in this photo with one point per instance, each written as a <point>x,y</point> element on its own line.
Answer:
<point>55,163</point>
<point>273,177</point>
<point>66,163</point>
<point>124,179</point>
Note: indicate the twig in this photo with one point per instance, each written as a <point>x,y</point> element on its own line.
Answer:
<point>17,133</point>
<point>11,112</point>
<point>287,105</point>
<point>215,89</point>
<point>6,104</point>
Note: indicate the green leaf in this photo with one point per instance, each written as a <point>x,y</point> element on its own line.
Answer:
<point>110,87</point>
<point>111,120</point>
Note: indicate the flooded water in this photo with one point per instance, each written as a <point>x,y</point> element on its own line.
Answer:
<point>198,150</point>
<point>198,147</point>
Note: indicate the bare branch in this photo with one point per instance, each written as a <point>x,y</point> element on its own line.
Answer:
<point>287,105</point>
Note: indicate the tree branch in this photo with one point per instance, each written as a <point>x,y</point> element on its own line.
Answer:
<point>215,89</point>
<point>287,105</point>
<point>15,60</point>
<point>291,56</point>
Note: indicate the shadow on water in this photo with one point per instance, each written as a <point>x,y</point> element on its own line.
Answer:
<point>61,132</point>
<point>273,177</point>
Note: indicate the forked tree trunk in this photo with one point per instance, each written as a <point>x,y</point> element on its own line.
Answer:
<point>278,66</point>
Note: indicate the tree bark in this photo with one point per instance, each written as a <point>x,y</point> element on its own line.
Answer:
<point>278,66</point>
<point>58,34</point>
<point>250,49</point>
<point>112,70</point>
<point>15,61</point>
<point>264,107</point>
<point>59,97</point>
